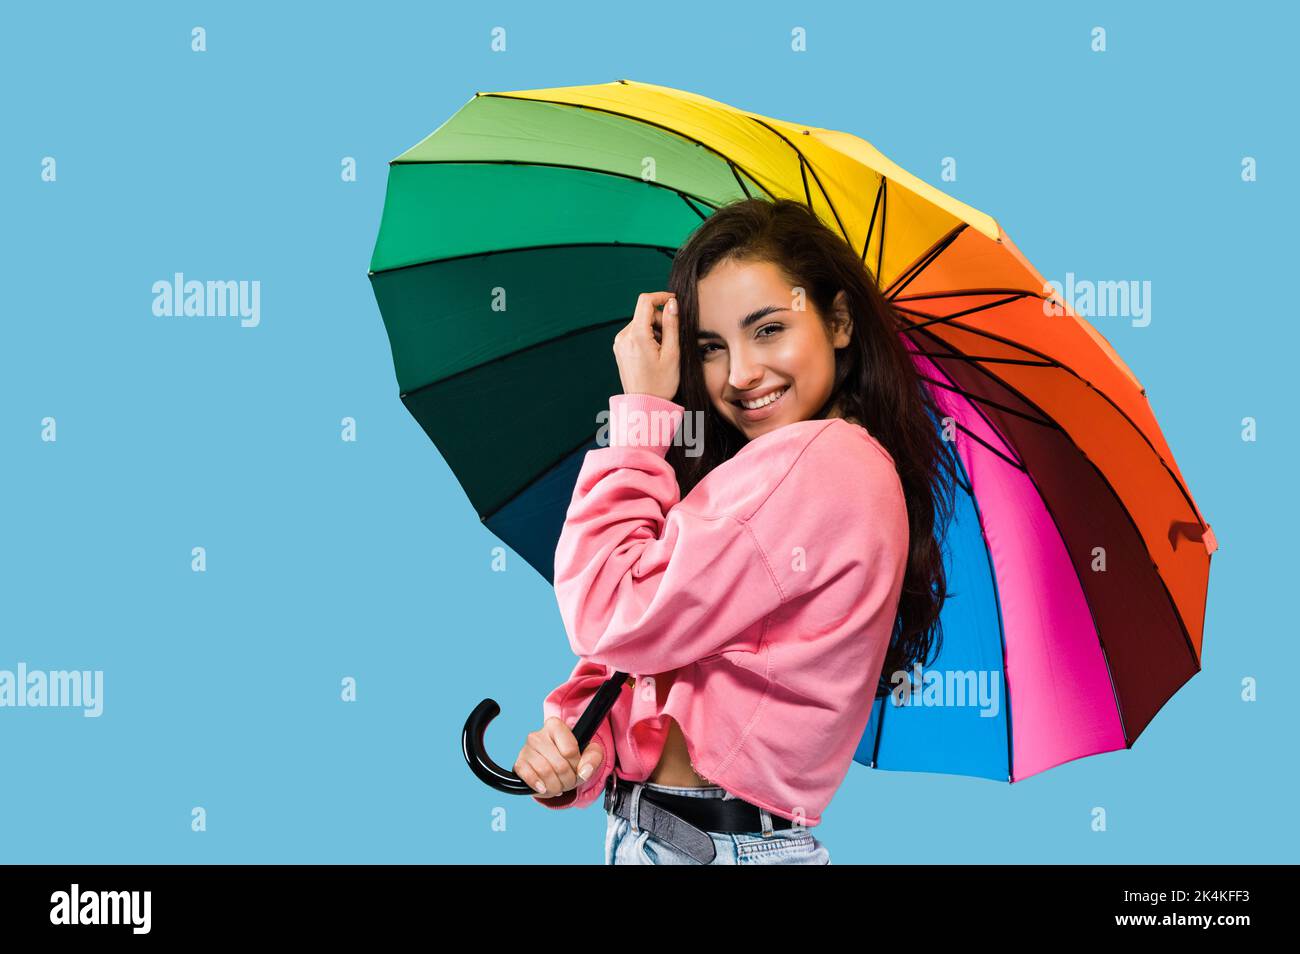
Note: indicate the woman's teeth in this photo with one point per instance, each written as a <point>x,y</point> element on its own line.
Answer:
<point>763,401</point>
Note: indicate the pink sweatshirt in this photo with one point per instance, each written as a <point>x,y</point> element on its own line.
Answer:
<point>761,604</point>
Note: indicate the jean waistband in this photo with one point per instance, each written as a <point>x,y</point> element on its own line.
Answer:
<point>690,791</point>
<point>702,810</point>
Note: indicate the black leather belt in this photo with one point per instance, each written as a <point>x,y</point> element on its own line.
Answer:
<point>685,821</point>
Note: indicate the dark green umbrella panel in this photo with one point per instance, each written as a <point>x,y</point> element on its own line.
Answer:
<point>514,242</point>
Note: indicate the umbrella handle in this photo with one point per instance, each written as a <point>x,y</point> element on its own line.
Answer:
<point>504,780</point>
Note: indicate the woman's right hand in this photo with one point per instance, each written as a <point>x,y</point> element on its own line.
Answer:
<point>549,761</point>
<point>646,349</point>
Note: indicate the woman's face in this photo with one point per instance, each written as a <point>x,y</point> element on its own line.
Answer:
<point>753,345</point>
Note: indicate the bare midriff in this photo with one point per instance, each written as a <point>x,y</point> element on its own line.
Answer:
<point>674,766</point>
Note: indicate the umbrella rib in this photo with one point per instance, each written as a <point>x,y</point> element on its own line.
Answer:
<point>666,249</point>
<point>739,181</point>
<point>962,293</point>
<point>991,336</point>
<point>923,262</point>
<point>1178,617</point>
<point>969,433</point>
<point>942,319</point>
<point>884,221</point>
<point>880,725</point>
<point>1110,674</point>
<point>510,354</point>
<point>692,205</point>
<point>970,396</point>
<point>810,168</point>
<point>982,357</point>
<point>972,399</point>
<point>957,466</point>
<point>1045,421</point>
<point>871,226</point>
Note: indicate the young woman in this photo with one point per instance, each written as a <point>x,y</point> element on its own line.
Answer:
<point>762,583</point>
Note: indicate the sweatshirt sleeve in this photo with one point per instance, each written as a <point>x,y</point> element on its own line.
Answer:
<point>567,702</point>
<point>645,586</point>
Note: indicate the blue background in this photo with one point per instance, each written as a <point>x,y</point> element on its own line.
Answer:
<point>329,559</point>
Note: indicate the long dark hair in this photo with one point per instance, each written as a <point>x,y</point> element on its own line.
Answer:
<point>875,382</point>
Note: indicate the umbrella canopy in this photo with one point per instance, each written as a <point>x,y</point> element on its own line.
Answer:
<point>514,242</point>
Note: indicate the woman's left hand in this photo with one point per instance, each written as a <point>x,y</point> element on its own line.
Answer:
<point>646,350</point>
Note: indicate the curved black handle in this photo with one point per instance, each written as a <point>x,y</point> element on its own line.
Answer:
<point>504,780</point>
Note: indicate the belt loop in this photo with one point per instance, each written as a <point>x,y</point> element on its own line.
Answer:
<point>766,817</point>
<point>636,805</point>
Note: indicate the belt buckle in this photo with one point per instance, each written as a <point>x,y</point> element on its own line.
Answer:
<point>611,791</point>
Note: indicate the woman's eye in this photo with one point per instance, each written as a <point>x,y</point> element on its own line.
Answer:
<point>773,327</point>
<point>704,351</point>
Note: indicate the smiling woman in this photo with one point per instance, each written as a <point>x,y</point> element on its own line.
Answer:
<point>765,590</point>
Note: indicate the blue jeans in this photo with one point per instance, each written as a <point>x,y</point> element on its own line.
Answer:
<point>786,846</point>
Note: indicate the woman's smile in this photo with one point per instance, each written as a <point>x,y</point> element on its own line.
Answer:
<point>752,410</point>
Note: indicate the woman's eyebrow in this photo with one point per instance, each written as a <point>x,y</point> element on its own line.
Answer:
<point>745,322</point>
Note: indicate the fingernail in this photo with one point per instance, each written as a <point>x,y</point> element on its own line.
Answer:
<point>672,304</point>
<point>585,772</point>
<point>541,787</point>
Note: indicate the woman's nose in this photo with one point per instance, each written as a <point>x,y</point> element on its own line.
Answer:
<point>745,374</point>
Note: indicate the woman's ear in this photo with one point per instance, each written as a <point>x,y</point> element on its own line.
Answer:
<point>843,322</point>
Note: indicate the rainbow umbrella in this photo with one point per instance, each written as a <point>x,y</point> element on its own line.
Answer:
<point>514,241</point>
